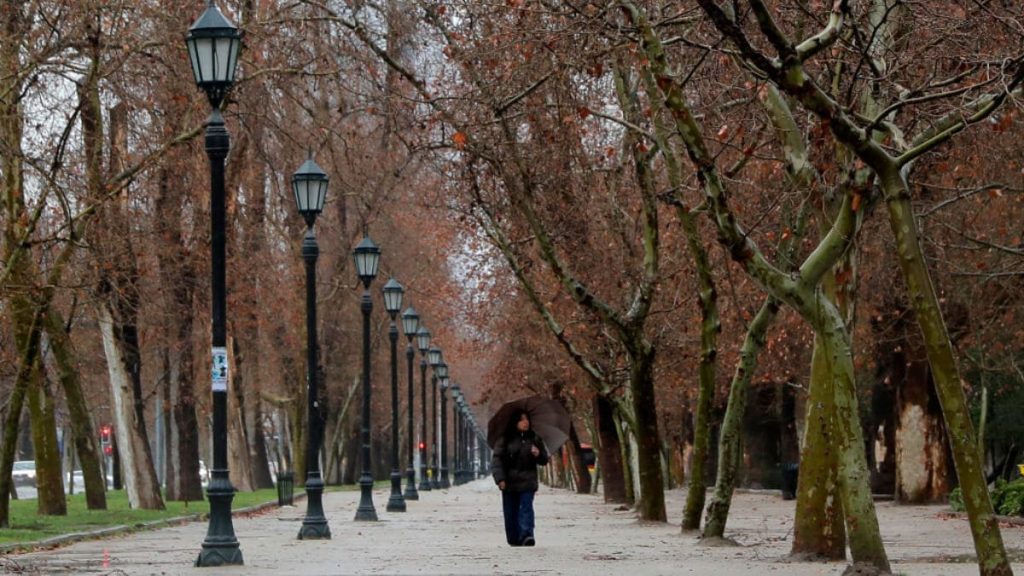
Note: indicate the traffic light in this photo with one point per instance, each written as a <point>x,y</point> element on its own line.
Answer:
<point>422,445</point>
<point>105,432</point>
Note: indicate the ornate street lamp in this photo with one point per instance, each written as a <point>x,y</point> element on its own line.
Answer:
<point>442,373</point>
<point>310,186</point>
<point>213,46</point>
<point>434,356</point>
<point>367,258</point>
<point>393,292</point>
<point>423,343</point>
<point>410,325</point>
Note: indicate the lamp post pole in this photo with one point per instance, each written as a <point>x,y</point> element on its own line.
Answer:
<point>393,304</point>
<point>444,430</point>
<point>463,443</point>
<point>213,45</point>
<point>423,340</point>
<point>456,440</point>
<point>435,361</point>
<point>410,324</point>
<point>367,256</point>
<point>310,186</point>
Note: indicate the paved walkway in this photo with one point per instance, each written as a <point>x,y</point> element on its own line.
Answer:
<point>459,531</point>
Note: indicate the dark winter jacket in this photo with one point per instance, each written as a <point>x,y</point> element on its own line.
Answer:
<point>514,463</point>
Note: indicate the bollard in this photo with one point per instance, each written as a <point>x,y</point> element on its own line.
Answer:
<point>285,488</point>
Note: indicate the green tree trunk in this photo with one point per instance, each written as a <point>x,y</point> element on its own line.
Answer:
<point>49,478</point>
<point>652,484</point>
<point>863,535</point>
<point>988,540</point>
<point>27,336</point>
<point>731,438</point>
<point>818,529</point>
<point>85,429</point>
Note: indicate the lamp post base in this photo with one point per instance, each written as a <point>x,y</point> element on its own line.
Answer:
<point>366,512</point>
<point>424,480</point>
<point>220,548</point>
<point>396,503</point>
<point>410,485</point>
<point>314,525</point>
<point>219,555</point>
<point>444,478</point>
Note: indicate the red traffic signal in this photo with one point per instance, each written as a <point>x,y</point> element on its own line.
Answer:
<point>108,449</point>
<point>105,431</point>
<point>422,445</point>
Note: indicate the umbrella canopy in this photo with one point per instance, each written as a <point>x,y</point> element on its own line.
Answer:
<point>548,419</point>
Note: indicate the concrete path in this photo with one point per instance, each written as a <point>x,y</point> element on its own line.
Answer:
<point>459,531</point>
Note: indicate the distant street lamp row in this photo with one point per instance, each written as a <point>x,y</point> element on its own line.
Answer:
<point>213,45</point>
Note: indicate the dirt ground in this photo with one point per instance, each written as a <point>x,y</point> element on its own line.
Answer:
<point>459,531</point>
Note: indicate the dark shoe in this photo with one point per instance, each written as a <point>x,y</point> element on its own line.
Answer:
<point>529,541</point>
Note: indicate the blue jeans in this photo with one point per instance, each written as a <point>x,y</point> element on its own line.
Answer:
<point>518,510</point>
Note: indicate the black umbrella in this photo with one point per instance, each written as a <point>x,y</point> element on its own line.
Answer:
<point>548,419</point>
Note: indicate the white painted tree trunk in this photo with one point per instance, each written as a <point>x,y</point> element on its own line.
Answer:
<point>139,475</point>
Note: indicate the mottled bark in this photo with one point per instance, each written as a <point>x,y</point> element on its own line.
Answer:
<point>731,437</point>
<point>652,484</point>
<point>818,528</point>
<point>82,423</point>
<point>27,338</point>
<point>49,479</point>
<point>988,541</point>
<point>922,471</point>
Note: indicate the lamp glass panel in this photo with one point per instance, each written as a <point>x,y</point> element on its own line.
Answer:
<point>300,186</point>
<point>222,52</point>
<point>204,50</point>
<point>410,322</point>
<point>193,57</point>
<point>236,45</point>
<point>321,195</point>
<point>423,339</point>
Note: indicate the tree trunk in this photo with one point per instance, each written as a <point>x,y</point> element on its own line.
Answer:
<point>863,535</point>
<point>49,478</point>
<point>27,337</point>
<point>710,327</point>
<point>818,529</point>
<point>238,435</point>
<point>922,472</point>
<point>178,276</point>
<point>81,419</point>
<point>583,482</point>
<point>609,452</point>
<point>140,476</point>
<point>652,486</point>
<point>731,438</point>
<point>988,540</point>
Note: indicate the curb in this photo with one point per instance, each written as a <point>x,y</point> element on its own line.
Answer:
<point>71,538</point>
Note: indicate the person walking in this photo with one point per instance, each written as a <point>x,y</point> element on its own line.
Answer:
<point>514,464</point>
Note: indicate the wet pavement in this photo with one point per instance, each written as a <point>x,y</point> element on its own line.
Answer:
<point>459,531</point>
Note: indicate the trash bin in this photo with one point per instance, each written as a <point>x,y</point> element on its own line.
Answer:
<point>790,473</point>
<point>285,488</point>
